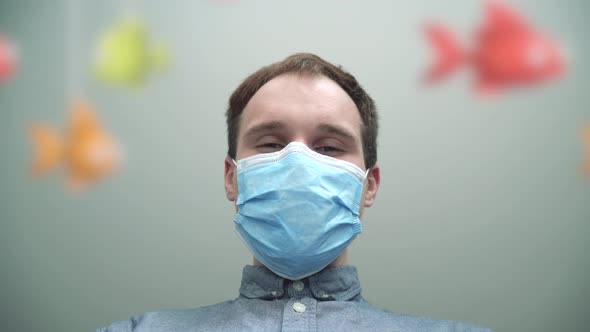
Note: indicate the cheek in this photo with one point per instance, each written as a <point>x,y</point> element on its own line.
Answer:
<point>355,158</point>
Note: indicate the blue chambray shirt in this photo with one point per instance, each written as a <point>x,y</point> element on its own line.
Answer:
<point>329,300</point>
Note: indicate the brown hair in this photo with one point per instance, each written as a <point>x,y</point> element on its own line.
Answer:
<point>305,63</point>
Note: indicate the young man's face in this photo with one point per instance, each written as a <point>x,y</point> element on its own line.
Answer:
<point>313,110</point>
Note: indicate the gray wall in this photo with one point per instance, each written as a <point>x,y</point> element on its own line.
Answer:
<point>482,216</point>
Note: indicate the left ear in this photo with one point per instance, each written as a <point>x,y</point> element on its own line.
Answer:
<point>373,180</point>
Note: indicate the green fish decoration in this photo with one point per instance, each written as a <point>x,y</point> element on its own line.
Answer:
<point>126,55</point>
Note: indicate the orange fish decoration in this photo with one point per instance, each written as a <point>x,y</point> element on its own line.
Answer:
<point>586,140</point>
<point>87,151</point>
<point>508,52</point>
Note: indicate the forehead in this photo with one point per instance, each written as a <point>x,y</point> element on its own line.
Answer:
<point>302,102</point>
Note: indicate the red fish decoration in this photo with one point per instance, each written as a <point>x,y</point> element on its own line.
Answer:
<point>87,151</point>
<point>8,59</point>
<point>508,52</point>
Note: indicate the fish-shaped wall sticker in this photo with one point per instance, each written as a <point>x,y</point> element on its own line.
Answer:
<point>87,151</point>
<point>8,59</point>
<point>508,52</point>
<point>126,55</point>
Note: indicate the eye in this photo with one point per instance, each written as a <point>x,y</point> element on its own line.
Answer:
<point>328,150</point>
<point>269,147</point>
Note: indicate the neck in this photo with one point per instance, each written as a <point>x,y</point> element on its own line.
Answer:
<point>339,261</point>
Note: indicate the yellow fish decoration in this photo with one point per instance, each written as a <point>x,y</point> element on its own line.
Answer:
<point>126,55</point>
<point>86,150</point>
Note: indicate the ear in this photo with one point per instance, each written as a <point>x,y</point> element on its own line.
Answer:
<point>231,185</point>
<point>373,180</point>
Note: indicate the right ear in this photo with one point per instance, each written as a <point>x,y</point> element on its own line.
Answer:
<point>231,185</point>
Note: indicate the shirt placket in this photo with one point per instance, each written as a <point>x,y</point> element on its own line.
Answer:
<point>300,315</point>
<point>300,311</point>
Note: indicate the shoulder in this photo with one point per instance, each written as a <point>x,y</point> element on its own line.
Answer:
<point>405,322</point>
<point>171,320</point>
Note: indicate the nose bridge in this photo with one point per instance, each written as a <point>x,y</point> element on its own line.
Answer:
<point>302,121</point>
<point>301,139</point>
<point>303,134</point>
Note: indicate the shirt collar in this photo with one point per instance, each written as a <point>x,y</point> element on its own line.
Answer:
<point>338,283</point>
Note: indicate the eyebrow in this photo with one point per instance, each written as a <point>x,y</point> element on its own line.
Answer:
<point>278,126</point>
<point>336,130</point>
<point>265,127</point>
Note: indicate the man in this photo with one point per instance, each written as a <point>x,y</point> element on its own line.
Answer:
<point>301,166</point>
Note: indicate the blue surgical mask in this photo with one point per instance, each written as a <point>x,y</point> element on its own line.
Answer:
<point>298,209</point>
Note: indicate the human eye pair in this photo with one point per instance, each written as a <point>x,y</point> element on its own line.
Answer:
<point>269,147</point>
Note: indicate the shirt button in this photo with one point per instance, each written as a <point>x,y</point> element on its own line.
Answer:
<point>299,307</point>
<point>298,285</point>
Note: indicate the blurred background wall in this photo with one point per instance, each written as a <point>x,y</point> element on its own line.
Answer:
<point>483,214</point>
